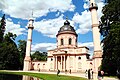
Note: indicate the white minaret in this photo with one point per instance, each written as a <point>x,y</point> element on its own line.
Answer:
<point>97,57</point>
<point>27,60</point>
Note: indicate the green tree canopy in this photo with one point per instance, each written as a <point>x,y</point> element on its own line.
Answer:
<point>2,27</point>
<point>9,56</point>
<point>110,29</point>
<point>22,50</point>
<point>39,56</point>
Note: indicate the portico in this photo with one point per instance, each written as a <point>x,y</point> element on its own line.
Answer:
<point>60,62</point>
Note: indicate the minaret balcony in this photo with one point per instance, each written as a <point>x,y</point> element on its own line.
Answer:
<point>93,6</point>
<point>30,27</point>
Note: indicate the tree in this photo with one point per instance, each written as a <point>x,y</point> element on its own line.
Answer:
<point>110,29</point>
<point>2,27</point>
<point>22,50</point>
<point>39,56</point>
<point>9,56</point>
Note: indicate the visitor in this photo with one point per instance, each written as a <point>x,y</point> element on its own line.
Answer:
<point>70,71</point>
<point>58,72</point>
<point>39,69</point>
<point>118,73</point>
<point>86,73</point>
<point>92,73</point>
<point>100,74</point>
<point>65,71</point>
<point>89,75</point>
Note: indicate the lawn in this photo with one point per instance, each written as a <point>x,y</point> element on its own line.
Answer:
<point>43,76</point>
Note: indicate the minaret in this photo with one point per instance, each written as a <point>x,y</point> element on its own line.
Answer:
<point>27,60</point>
<point>97,56</point>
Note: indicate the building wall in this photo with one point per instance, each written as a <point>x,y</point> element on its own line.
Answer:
<point>72,60</point>
<point>39,65</point>
<point>65,38</point>
<point>67,56</point>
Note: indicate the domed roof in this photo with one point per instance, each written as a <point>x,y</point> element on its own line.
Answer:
<point>67,28</point>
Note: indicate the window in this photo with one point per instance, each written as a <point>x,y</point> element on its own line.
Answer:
<point>71,62</point>
<point>51,66</point>
<point>79,65</point>
<point>51,59</point>
<point>62,41</point>
<point>87,56</point>
<point>70,41</point>
<point>79,58</point>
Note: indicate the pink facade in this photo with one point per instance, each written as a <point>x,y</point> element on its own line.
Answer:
<point>67,56</point>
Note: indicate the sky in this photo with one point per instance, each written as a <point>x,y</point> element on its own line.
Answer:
<point>49,16</point>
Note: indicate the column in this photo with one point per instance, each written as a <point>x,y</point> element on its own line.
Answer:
<point>68,62</point>
<point>56,63</point>
<point>64,63</point>
<point>61,62</point>
<point>75,62</point>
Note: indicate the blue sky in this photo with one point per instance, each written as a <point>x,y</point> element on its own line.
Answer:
<point>49,16</point>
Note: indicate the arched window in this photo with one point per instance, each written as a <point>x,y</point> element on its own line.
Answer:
<point>70,41</point>
<point>51,66</point>
<point>79,58</point>
<point>79,65</point>
<point>71,63</point>
<point>62,42</point>
<point>51,59</point>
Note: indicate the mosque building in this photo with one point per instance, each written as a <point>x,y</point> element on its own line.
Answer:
<point>67,56</point>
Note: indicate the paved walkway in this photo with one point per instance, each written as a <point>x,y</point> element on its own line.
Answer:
<point>72,74</point>
<point>75,74</point>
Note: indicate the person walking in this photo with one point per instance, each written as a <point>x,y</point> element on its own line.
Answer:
<point>86,73</point>
<point>100,74</point>
<point>58,72</point>
<point>92,73</point>
<point>70,71</point>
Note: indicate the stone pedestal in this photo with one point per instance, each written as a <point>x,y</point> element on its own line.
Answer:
<point>97,59</point>
<point>27,63</point>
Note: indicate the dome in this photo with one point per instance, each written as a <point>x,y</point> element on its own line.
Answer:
<point>66,28</point>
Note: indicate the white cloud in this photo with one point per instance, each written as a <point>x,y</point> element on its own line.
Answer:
<point>84,20</point>
<point>58,13</point>
<point>23,8</point>
<point>14,28</point>
<point>3,5</point>
<point>50,27</point>
<point>100,6</point>
<point>86,5</point>
<point>44,47</point>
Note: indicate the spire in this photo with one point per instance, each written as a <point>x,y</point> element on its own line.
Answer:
<point>66,22</point>
<point>31,20</point>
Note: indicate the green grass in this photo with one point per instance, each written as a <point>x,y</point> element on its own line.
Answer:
<point>44,76</point>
